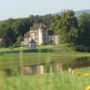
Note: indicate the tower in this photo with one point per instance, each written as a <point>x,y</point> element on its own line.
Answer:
<point>40,34</point>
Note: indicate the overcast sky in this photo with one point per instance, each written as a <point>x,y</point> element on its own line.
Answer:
<point>24,8</point>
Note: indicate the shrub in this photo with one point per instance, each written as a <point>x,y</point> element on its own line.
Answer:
<point>82,48</point>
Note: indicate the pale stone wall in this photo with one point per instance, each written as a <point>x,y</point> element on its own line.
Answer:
<point>55,39</point>
<point>40,34</point>
<point>26,41</point>
<point>34,36</point>
<point>41,37</point>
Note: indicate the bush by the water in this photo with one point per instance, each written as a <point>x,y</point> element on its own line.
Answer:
<point>82,48</point>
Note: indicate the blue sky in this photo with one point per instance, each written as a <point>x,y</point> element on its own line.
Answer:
<point>24,8</point>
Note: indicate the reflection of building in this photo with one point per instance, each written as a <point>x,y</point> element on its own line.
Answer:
<point>41,35</point>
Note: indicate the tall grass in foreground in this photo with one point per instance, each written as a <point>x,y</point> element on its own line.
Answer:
<point>53,81</point>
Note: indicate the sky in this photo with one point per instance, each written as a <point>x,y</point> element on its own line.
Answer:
<point>25,8</point>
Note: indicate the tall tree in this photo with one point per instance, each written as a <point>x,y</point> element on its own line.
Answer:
<point>21,26</point>
<point>66,25</point>
<point>84,30</point>
<point>7,33</point>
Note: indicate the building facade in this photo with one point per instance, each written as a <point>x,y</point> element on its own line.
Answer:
<point>41,35</point>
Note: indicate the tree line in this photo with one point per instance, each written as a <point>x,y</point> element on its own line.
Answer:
<point>72,30</point>
<point>12,30</point>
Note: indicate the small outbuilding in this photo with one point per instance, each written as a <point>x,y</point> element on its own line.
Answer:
<point>32,44</point>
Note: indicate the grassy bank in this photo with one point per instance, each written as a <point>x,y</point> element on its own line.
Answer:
<point>54,81</point>
<point>60,53</point>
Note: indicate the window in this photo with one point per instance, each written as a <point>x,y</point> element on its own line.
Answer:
<point>36,39</point>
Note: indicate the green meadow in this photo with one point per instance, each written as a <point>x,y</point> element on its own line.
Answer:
<point>64,80</point>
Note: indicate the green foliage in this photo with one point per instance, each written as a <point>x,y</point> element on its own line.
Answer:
<point>41,19</point>
<point>19,39</point>
<point>18,42</point>
<point>66,25</point>
<point>71,30</point>
<point>84,30</point>
<point>11,29</point>
<point>21,26</point>
<point>7,33</point>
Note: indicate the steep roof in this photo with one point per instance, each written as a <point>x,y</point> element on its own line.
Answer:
<point>38,26</point>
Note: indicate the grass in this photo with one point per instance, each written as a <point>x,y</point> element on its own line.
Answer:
<point>54,81</point>
<point>50,81</point>
<point>61,53</point>
<point>38,47</point>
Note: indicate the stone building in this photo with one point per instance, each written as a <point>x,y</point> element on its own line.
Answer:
<point>41,35</point>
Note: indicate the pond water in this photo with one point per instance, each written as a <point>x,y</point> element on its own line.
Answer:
<point>41,62</point>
